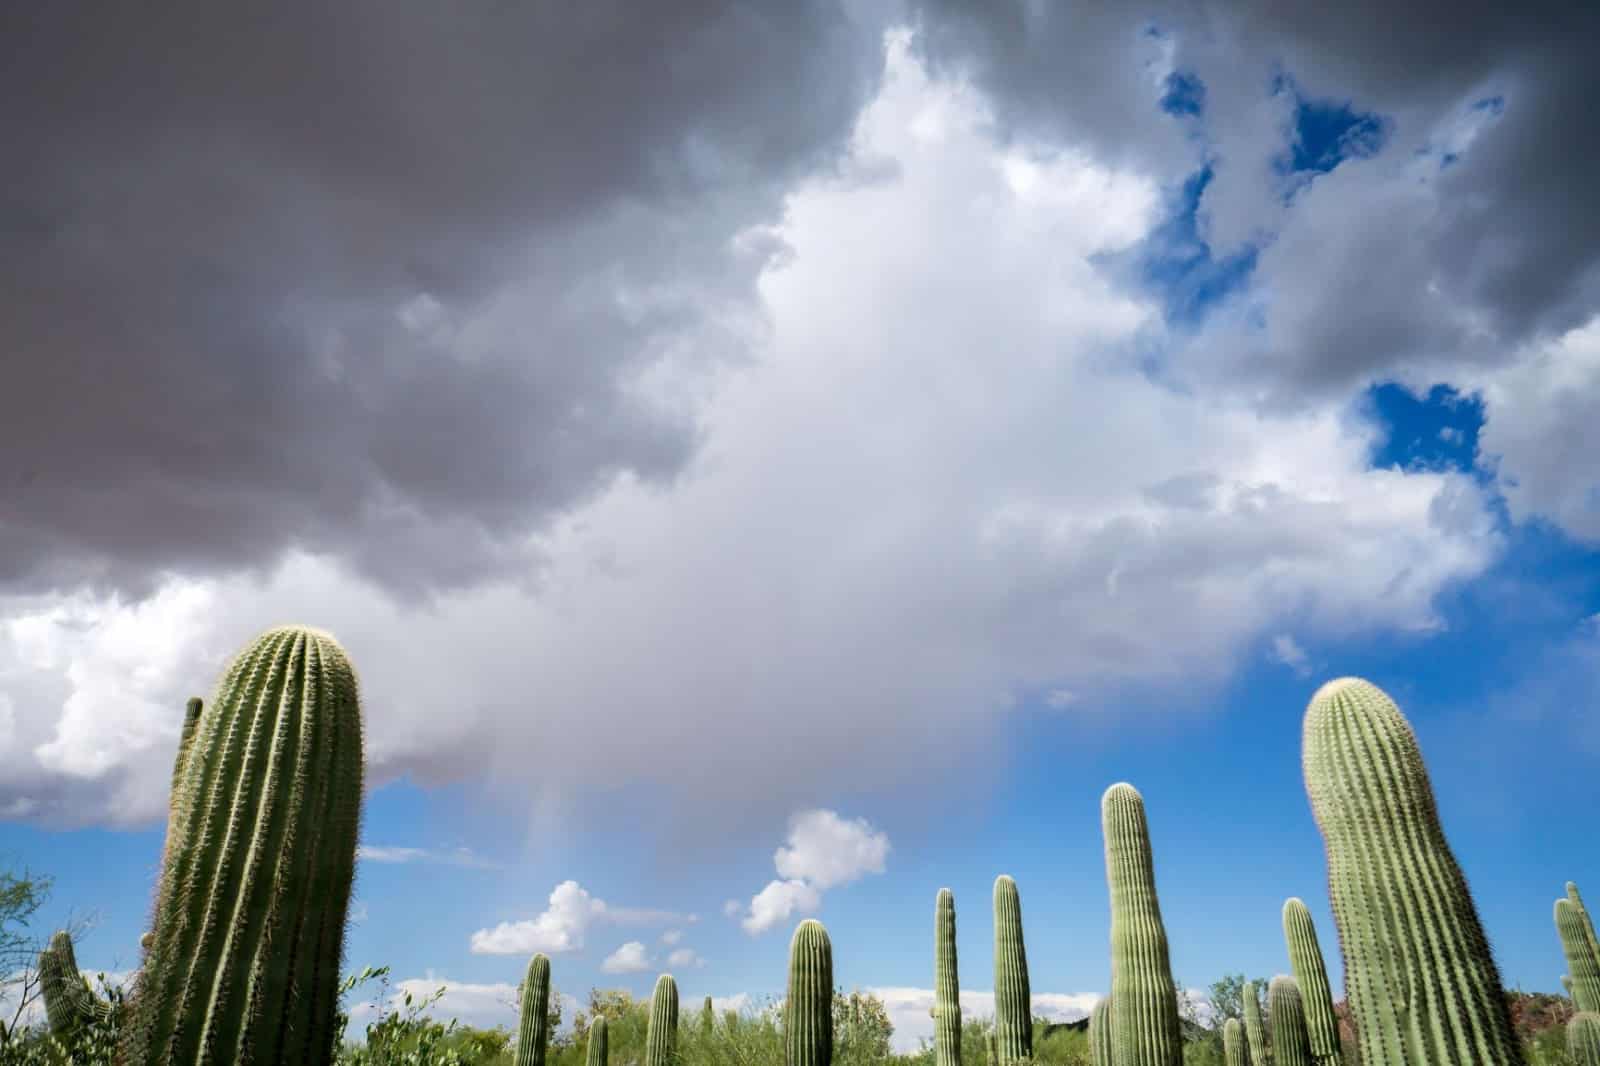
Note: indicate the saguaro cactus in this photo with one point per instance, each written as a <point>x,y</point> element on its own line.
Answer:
<point>1233,1045</point>
<point>1583,1039</point>
<point>708,1018</point>
<point>1583,962</point>
<point>534,1026</point>
<point>993,1048</point>
<point>661,1036</point>
<point>68,1002</point>
<point>259,860</point>
<point>808,1007</point>
<point>946,983</point>
<point>1013,1005</point>
<point>597,1043</point>
<point>1291,1043</point>
<point>1100,1033</point>
<point>1255,1033</point>
<point>1311,978</point>
<point>1422,983</point>
<point>1145,1018</point>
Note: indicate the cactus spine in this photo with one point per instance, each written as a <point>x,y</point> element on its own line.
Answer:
<point>1422,983</point>
<point>1233,1047</point>
<point>661,1037</point>
<point>1145,1018</point>
<point>1583,963</point>
<point>946,983</point>
<point>808,1007</point>
<point>1311,978</point>
<point>1013,1005</point>
<point>1100,1033</point>
<point>597,1043</point>
<point>533,1029</point>
<point>1583,1039</point>
<point>1291,1043</point>
<point>260,857</point>
<point>1255,1033</point>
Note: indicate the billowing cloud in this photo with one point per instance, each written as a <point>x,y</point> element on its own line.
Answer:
<point>777,903</point>
<point>629,958</point>
<point>563,926</point>
<point>826,850</point>
<point>684,959</point>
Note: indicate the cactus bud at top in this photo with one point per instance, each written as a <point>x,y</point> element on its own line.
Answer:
<point>946,985</point>
<point>533,1028</point>
<point>1423,986</point>
<point>808,1008</point>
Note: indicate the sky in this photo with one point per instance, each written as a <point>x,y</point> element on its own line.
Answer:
<point>774,460</point>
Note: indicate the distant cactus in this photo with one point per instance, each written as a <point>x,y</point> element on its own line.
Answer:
<point>533,1027</point>
<point>597,1043</point>
<point>1013,1005</point>
<point>808,1007</point>
<point>1145,1017</point>
<point>661,1036</point>
<point>1255,1033</point>
<point>1577,944</point>
<point>1101,1034</point>
<point>946,984</point>
<point>1233,1045</point>
<point>1422,983</point>
<point>708,1018</point>
<point>69,1004</point>
<point>1311,979</point>
<point>259,859</point>
<point>1583,1039</point>
<point>1291,1044</point>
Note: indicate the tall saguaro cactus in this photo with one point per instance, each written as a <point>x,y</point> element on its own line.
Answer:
<point>596,1054</point>
<point>1100,1033</point>
<point>259,860</point>
<point>1422,983</point>
<point>1255,1032</point>
<point>1013,1004</point>
<point>1291,1044</point>
<point>1145,1016</point>
<point>1311,977</point>
<point>1577,944</point>
<point>534,1026</point>
<point>661,1036</point>
<point>808,1007</point>
<point>1233,1045</point>
<point>946,983</point>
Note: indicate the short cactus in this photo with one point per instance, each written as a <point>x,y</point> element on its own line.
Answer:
<point>808,1007</point>
<point>1234,1052</point>
<point>1013,1005</point>
<point>534,1025</point>
<point>1145,1018</point>
<point>946,984</point>
<point>1100,1033</point>
<point>1583,963</point>
<point>661,1036</point>
<point>259,860</point>
<point>1583,1039</point>
<point>708,1018</point>
<point>1422,983</point>
<point>1255,1033</point>
<point>597,1043</point>
<point>68,1002</point>
<point>1291,1043</point>
<point>1311,979</point>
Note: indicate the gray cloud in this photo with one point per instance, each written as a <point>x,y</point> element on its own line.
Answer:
<point>390,282</point>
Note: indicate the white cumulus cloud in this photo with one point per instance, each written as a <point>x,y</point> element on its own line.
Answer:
<point>564,924</point>
<point>629,958</point>
<point>826,850</point>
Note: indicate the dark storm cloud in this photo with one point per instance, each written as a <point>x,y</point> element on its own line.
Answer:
<point>1507,233</point>
<point>380,280</point>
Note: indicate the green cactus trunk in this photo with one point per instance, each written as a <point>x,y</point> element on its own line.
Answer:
<point>1311,977</point>
<point>1255,1033</point>
<point>1013,1005</point>
<point>808,1007</point>
<point>661,1037</point>
<point>708,1018</point>
<point>1101,1034</point>
<point>1422,983</point>
<point>69,1003</point>
<point>597,1043</point>
<point>259,861</point>
<point>1291,1043</point>
<point>1583,963</point>
<point>1583,1039</point>
<point>946,983</point>
<point>534,1026</point>
<point>1234,1052</point>
<point>1145,1019</point>
<point>993,1047</point>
